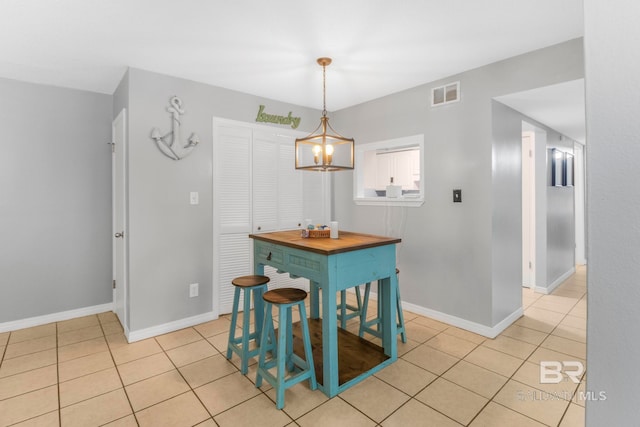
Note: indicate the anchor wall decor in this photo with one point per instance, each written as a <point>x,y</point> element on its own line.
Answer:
<point>174,148</point>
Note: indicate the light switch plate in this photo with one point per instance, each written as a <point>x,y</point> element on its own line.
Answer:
<point>457,196</point>
<point>194,199</point>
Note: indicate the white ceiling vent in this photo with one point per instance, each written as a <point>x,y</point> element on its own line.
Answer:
<point>446,94</point>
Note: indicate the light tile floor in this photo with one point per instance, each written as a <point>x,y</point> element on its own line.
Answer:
<point>82,372</point>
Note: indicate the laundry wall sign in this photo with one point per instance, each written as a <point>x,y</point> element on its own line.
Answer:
<point>274,118</point>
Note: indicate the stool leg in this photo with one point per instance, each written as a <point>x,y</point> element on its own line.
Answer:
<point>308,351</point>
<point>289,332</point>
<point>264,339</point>
<point>246,332</point>
<point>401,329</point>
<point>234,319</point>
<point>363,312</point>
<point>258,311</point>
<point>358,298</point>
<point>283,321</point>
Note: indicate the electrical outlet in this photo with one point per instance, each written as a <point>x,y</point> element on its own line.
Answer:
<point>194,198</point>
<point>193,290</point>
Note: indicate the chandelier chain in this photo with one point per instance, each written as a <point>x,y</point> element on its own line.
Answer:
<point>324,90</point>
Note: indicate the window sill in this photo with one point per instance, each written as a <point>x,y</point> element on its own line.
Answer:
<point>384,201</point>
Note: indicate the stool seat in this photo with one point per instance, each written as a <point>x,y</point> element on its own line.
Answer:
<point>284,296</point>
<point>290,368</point>
<point>256,285</point>
<point>250,281</point>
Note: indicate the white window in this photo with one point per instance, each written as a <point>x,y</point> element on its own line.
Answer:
<point>390,172</point>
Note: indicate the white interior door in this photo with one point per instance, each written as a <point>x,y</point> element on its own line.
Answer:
<point>528,209</point>
<point>120,232</point>
<point>231,210</point>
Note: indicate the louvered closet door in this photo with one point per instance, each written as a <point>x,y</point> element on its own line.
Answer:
<point>265,182</point>
<point>290,195</point>
<point>233,209</point>
<point>257,190</point>
<point>314,200</point>
<point>277,193</point>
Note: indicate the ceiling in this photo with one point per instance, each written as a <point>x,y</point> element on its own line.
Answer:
<point>561,107</point>
<point>269,48</point>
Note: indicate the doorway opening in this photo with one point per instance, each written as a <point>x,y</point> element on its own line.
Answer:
<point>120,232</point>
<point>534,241</point>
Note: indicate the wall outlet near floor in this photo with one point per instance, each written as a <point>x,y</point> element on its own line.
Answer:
<point>193,290</point>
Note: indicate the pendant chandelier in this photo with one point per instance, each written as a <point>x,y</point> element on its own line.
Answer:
<point>324,149</point>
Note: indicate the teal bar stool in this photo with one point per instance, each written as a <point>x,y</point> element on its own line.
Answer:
<point>347,311</point>
<point>373,326</point>
<point>256,285</point>
<point>283,358</point>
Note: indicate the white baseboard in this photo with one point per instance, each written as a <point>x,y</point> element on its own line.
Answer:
<point>556,283</point>
<point>54,317</point>
<point>486,331</point>
<point>165,328</point>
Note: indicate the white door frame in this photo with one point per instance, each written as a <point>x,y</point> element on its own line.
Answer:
<point>119,221</point>
<point>579,200</point>
<point>528,209</point>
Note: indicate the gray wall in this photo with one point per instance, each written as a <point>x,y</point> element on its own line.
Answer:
<point>506,245</point>
<point>558,226</point>
<point>170,241</point>
<point>449,252</point>
<point>612,76</point>
<point>55,204</point>
<point>561,240</point>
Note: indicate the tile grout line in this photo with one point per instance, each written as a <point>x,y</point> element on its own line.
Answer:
<point>508,379</point>
<point>115,365</point>
<point>442,376</point>
<point>187,382</point>
<point>58,379</point>
<point>522,364</point>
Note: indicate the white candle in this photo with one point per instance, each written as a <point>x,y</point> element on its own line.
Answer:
<point>333,225</point>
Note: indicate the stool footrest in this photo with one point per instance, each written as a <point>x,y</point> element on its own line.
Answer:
<point>236,348</point>
<point>294,379</point>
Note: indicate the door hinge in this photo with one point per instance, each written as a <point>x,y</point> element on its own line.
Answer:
<point>530,153</point>
<point>114,283</point>
<point>113,146</point>
<point>530,266</point>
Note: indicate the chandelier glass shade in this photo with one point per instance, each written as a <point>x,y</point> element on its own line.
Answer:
<point>324,149</point>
